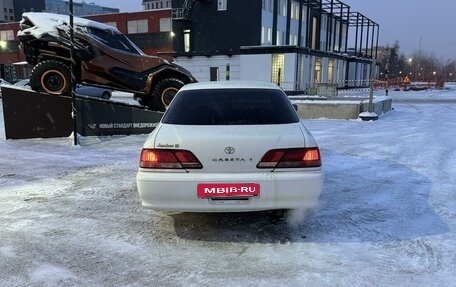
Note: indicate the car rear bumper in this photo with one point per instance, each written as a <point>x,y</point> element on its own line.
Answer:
<point>278,190</point>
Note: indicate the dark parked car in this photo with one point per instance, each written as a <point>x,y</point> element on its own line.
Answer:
<point>102,55</point>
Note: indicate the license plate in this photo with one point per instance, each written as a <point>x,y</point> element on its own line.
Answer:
<point>217,190</point>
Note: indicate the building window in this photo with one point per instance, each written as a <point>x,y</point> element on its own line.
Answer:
<point>7,35</point>
<point>165,25</point>
<point>263,35</point>
<point>293,11</point>
<point>266,35</point>
<point>187,40</point>
<point>314,33</point>
<point>304,14</point>
<point>137,26</point>
<point>317,76</point>
<point>282,7</point>
<point>297,10</point>
<point>113,24</point>
<point>281,38</point>
<point>293,40</point>
<point>221,5</point>
<point>278,66</point>
<point>267,5</point>
<point>214,74</point>
<point>331,71</point>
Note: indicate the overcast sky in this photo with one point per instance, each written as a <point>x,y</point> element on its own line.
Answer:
<point>416,24</point>
<point>429,25</point>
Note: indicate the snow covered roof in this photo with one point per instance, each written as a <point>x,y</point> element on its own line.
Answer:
<point>48,23</point>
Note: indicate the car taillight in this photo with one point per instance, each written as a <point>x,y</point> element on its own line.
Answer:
<point>291,158</point>
<point>168,159</point>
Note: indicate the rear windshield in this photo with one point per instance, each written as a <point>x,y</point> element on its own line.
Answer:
<point>230,107</point>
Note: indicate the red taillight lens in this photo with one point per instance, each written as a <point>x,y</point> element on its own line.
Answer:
<point>168,159</point>
<point>291,158</point>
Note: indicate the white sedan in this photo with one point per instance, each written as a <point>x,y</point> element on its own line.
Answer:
<point>230,146</point>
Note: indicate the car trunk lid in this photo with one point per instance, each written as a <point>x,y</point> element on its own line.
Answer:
<point>230,148</point>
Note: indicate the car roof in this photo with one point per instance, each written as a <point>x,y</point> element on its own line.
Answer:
<point>48,23</point>
<point>230,85</point>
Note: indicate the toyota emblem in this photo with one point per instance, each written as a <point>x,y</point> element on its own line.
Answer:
<point>229,150</point>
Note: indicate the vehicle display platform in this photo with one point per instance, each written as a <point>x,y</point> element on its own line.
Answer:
<point>29,114</point>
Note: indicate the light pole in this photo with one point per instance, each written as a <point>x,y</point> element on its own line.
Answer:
<point>72,75</point>
<point>370,115</point>
<point>386,70</point>
<point>410,65</point>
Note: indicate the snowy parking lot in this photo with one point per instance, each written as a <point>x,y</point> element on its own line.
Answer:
<point>71,216</point>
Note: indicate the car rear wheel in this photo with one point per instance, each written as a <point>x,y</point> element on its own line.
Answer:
<point>164,92</point>
<point>50,76</point>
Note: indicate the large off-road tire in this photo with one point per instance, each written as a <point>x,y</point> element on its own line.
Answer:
<point>52,77</point>
<point>163,93</point>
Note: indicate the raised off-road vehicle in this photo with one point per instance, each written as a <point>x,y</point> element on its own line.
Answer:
<point>102,57</point>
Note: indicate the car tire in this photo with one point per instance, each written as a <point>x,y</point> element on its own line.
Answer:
<point>106,95</point>
<point>163,93</point>
<point>52,77</point>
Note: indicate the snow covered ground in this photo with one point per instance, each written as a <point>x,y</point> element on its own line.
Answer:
<point>71,216</point>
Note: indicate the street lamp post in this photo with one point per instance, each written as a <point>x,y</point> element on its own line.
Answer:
<point>370,115</point>
<point>386,71</point>
<point>72,75</point>
<point>410,60</point>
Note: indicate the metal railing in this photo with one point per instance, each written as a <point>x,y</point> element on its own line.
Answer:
<point>184,12</point>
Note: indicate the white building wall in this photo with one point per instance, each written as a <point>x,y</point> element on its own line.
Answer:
<point>200,66</point>
<point>307,71</point>
<point>259,68</point>
<point>256,67</point>
<point>290,72</point>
